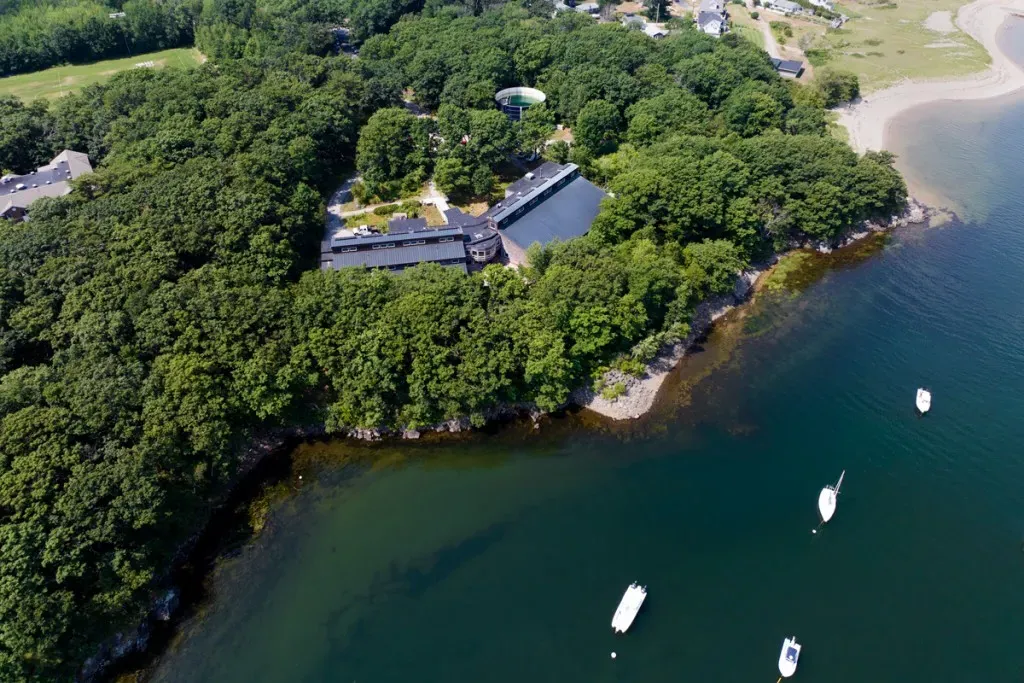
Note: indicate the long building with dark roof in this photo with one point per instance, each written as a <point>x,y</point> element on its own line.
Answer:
<point>553,202</point>
<point>409,241</point>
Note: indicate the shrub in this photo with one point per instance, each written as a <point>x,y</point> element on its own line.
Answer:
<point>818,57</point>
<point>755,15</point>
<point>613,392</point>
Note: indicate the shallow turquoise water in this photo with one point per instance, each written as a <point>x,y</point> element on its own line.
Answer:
<point>502,558</point>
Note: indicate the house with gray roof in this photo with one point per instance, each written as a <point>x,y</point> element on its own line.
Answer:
<point>783,7</point>
<point>582,7</point>
<point>712,17</point>
<point>553,202</point>
<point>18,192</point>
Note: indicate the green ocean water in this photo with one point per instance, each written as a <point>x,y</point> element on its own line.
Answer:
<point>502,556</point>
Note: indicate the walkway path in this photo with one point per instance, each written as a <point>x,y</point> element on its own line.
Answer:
<point>771,46</point>
<point>335,218</point>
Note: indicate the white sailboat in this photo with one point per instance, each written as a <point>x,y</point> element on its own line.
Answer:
<point>827,499</point>
<point>924,400</point>
<point>789,656</point>
<point>628,607</point>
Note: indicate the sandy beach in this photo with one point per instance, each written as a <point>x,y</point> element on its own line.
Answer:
<point>868,120</point>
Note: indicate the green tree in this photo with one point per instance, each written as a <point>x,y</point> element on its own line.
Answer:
<point>597,125</point>
<point>536,126</point>
<point>711,266</point>
<point>750,110</point>
<point>393,146</point>
<point>837,86</point>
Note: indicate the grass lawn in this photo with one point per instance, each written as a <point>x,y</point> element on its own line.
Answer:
<point>744,26</point>
<point>62,80</point>
<point>433,216</point>
<point>370,219</point>
<point>889,42</point>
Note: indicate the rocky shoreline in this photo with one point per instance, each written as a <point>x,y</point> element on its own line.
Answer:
<point>638,398</point>
<point>641,392</point>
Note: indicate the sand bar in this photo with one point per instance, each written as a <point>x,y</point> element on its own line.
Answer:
<point>868,120</point>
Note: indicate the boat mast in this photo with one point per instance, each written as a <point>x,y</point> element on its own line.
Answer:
<point>840,482</point>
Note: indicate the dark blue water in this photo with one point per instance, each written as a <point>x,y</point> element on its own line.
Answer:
<point>501,557</point>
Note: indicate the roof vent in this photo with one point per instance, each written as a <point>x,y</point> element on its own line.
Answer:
<point>530,176</point>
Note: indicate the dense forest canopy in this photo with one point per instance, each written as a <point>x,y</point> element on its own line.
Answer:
<point>169,309</point>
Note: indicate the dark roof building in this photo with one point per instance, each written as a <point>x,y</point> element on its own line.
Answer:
<point>401,224</point>
<point>482,241</point>
<point>396,251</point>
<point>409,242</point>
<point>17,192</point>
<point>788,68</point>
<point>552,202</point>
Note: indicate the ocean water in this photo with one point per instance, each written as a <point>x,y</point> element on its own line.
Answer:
<point>501,557</point>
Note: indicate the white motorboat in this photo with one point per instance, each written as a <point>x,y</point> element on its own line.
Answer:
<point>924,400</point>
<point>827,499</point>
<point>788,657</point>
<point>628,607</point>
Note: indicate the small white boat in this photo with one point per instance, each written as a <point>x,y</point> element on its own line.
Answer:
<point>788,657</point>
<point>924,400</point>
<point>628,607</point>
<point>827,499</point>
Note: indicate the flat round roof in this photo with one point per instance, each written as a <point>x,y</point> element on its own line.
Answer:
<point>527,93</point>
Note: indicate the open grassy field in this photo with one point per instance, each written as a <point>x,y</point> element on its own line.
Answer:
<point>62,80</point>
<point>887,42</point>
<point>744,26</point>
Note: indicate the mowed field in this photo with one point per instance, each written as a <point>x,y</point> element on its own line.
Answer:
<point>62,80</point>
<point>887,42</point>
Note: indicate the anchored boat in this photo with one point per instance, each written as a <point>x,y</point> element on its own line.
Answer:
<point>827,499</point>
<point>788,657</point>
<point>628,607</point>
<point>924,400</point>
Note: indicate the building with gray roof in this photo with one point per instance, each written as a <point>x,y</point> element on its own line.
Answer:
<point>18,192</point>
<point>395,251</point>
<point>783,6</point>
<point>552,202</point>
<point>788,68</point>
<point>410,241</point>
<point>712,17</point>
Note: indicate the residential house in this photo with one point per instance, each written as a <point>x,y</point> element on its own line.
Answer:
<point>783,7</point>
<point>18,192</point>
<point>655,31</point>
<point>633,21</point>
<point>637,21</point>
<point>712,17</point>
<point>581,7</point>
<point>824,4</point>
